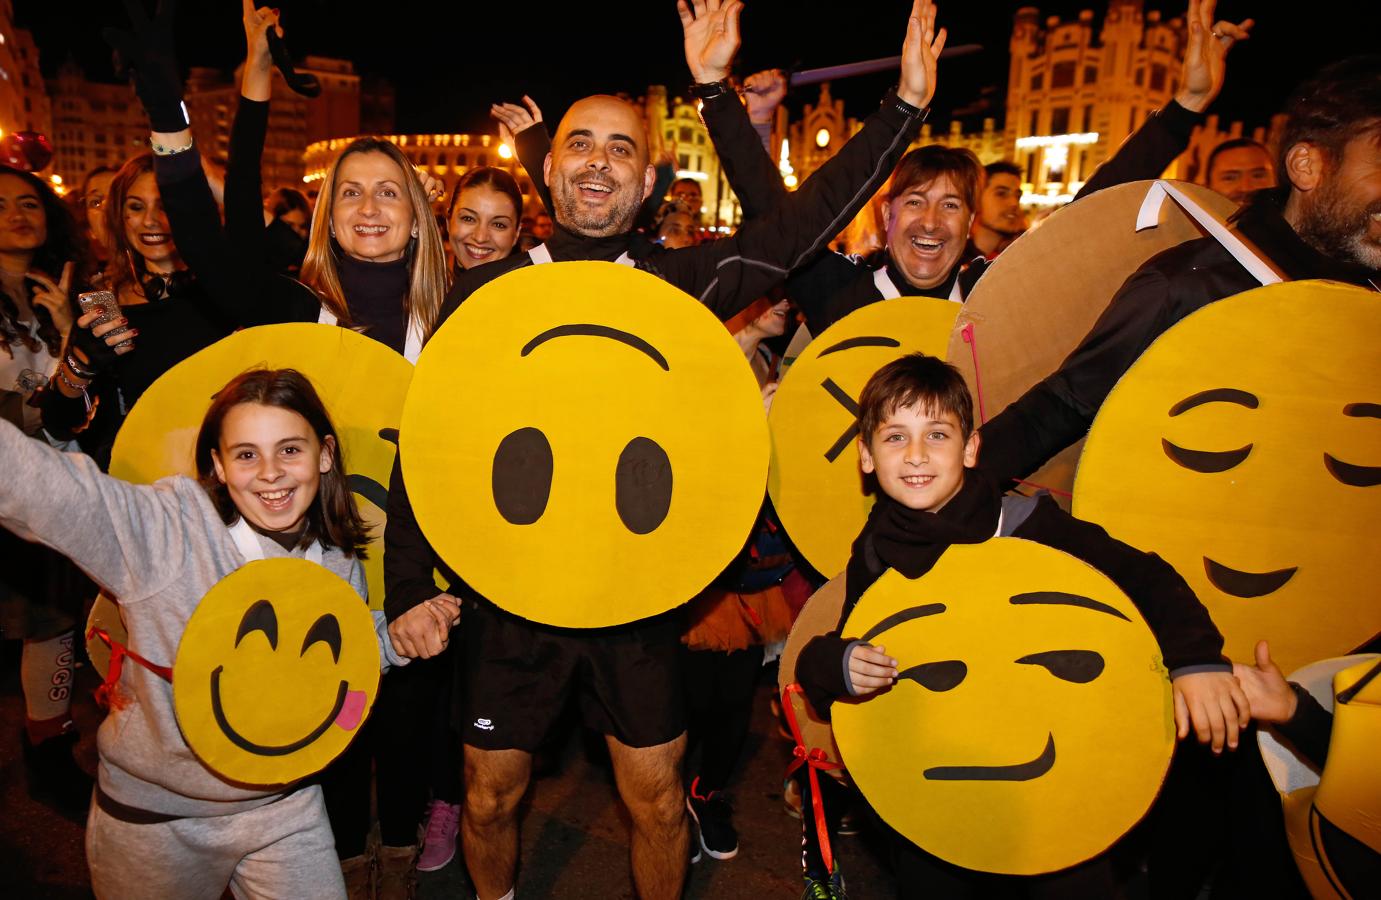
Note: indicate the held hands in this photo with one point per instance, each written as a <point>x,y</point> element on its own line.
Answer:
<point>54,298</point>
<point>918,55</point>
<point>514,120</point>
<point>1271,697</point>
<point>1205,58</point>
<point>711,32</point>
<point>870,669</point>
<point>424,631</point>
<point>1213,703</point>
<point>764,92</point>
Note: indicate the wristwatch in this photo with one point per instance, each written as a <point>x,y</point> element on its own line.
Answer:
<point>711,90</point>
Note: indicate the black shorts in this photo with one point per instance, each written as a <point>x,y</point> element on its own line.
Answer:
<point>516,677</point>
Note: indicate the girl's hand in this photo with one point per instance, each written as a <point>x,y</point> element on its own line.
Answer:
<point>54,298</point>
<point>257,81</point>
<point>98,345</point>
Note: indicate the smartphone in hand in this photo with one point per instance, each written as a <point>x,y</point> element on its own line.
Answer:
<point>110,310</point>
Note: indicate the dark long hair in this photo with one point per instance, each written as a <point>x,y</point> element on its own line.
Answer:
<point>332,517</point>
<point>126,266</point>
<point>490,177</point>
<point>61,246</point>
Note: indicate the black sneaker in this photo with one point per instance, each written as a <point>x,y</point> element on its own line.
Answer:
<point>824,887</point>
<point>54,773</point>
<point>714,820</point>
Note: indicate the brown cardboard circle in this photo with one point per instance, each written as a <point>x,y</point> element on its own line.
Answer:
<point>1039,299</point>
<point>819,616</point>
<point>105,615</point>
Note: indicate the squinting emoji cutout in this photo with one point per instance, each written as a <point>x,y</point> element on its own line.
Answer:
<point>584,444</point>
<point>275,672</point>
<point>361,381</point>
<point>816,485</point>
<point>1244,447</point>
<point>1031,723</point>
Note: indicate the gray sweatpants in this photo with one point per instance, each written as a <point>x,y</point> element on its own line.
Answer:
<point>283,850</point>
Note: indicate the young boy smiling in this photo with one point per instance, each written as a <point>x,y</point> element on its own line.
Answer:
<point>916,437</point>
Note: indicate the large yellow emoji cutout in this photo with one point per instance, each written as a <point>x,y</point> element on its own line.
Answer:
<point>816,485</point>
<point>1244,447</point>
<point>361,381</point>
<point>584,444</point>
<point>275,672</point>
<point>1030,725</point>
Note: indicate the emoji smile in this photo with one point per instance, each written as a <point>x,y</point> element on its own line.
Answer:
<point>1246,584</point>
<point>1019,772</point>
<point>346,712</point>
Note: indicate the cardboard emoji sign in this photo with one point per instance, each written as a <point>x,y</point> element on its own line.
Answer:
<point>819,616</point>
<point>275,672</point>
<point>816,484</point>
<point>1244,447</point>
<point>1031,722</point>
<point>584,444</point>
<point>1039,299</point>
<point>361,382</point>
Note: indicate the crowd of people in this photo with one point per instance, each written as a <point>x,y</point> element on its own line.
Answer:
<point>190,255</point>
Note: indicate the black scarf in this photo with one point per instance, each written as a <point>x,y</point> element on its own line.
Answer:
<point>566,245</point>
<point>911,541</point>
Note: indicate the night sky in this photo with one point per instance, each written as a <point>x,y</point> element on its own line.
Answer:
<point>448,61</point>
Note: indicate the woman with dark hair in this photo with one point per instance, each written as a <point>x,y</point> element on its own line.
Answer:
<point>483,218</point>
<point>90,202</point>
<point>287,223</point>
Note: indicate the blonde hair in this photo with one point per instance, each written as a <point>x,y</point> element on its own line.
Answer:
<point>429,278</point>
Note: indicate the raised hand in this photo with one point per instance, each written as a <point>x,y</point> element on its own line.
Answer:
<point>432,186</point>
<point>711,32</point>
<point>764,92</point>
<point>1205,57</point>
<point>918,55</point>
<point>513,119</point>
<point>149,51</point>
<point>1270,695</point>
<point>55,297</point>
<point>257,83</point>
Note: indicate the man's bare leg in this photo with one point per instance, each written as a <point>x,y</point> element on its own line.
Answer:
<point>495,781</point>
<point>649,780</point>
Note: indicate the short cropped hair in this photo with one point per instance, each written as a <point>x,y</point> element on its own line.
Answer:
<point>1231,144</point>
<point>1003,167</point>
<point>1340,103</point>
<point>915,378</point>
<point>924,164</point>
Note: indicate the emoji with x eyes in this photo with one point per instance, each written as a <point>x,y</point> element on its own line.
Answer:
<point>584,444</point>
<point>1030,725</point>
<point>816,485</point>
<point>1244,447</point>
<point>361,381</point>
<point>275,672</point>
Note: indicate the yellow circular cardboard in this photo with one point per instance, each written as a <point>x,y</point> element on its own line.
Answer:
<point>816,484</point>
<point>361,381</point>
<point>584,444</point>
<point>1244,447</point>
<point>276,671</point>
<point>1031,724</point>
<point>1038,300</point>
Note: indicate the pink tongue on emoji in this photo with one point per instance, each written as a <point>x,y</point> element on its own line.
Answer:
<point>352,711</point>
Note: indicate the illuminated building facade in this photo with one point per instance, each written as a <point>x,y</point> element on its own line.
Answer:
<point>23,102</point>
<point>94,124</point>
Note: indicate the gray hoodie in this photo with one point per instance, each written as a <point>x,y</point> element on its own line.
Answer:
<point>157,548</point>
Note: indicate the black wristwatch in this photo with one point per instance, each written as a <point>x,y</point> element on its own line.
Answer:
<point>712,90</point>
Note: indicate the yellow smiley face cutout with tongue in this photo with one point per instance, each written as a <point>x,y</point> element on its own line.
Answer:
<point>1030,725</point>
<point>275,672</point>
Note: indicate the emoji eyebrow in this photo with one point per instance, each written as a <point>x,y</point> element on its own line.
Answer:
<point>906,615</point>
<point>1216,395</point>
<point>851,343</point>
<point>605,331</point>
<point>1363,410</point>
<point>1059,598</point>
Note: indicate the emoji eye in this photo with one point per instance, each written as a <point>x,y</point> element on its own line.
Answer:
<point>642,485</point>
<point>1205,460</point>
<point>325,629</point>
<point>937,676</point>
<point>1349,474</point>
<point>522,476</point>
<point>259,617</point>
<point>1078,666</point>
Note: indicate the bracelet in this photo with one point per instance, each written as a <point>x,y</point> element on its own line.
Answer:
<point>79,388</point>
<point>911,112</point>
<point>77,368</point>
<point>711,90</point>
<point>161,150</point>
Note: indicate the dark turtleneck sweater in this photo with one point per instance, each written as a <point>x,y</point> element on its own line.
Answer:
<point>1169,286</point>
<point>375,292</point>
<point>912,541</point>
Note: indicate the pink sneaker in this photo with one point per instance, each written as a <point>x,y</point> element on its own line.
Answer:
<point>439,843</point>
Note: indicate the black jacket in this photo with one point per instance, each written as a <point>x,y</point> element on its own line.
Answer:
<point>726,275</point>
<point>1059,410</point>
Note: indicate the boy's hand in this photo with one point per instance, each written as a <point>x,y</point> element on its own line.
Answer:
<point>1214,704</point>
<point>870,669</point>
<point>1270,695</point>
